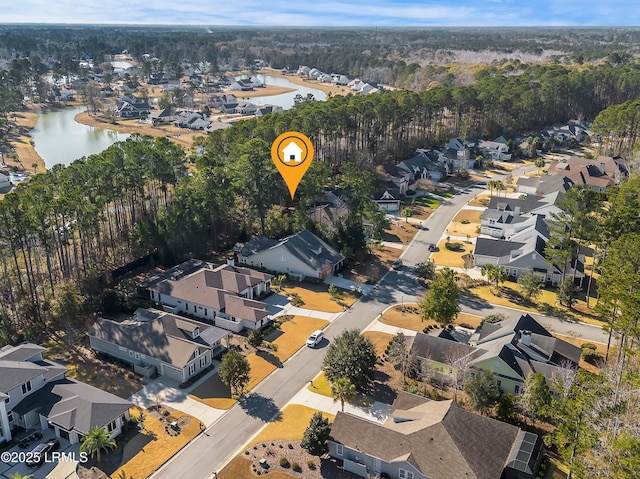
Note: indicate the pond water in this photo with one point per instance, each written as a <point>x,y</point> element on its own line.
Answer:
<point>286,100</point>
<point>58,138</point>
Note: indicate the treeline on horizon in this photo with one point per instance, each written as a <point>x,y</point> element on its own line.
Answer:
<point>396,56</point>
<point>61,232</point>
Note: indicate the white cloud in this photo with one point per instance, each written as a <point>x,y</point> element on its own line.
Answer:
<point>332,13</point>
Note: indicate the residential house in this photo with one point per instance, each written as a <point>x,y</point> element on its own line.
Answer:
<point>525,253</point>
<point>424,165</point>
<point>338,79</point>
<point>191,120</point>
<point>131,106</point>
<point>458,156</point>
<point>388,199</point>
<point>426,439</point>
<point>596,175</point>
<point>267,110</point>
<point>36,394</point>
<point>157,342</point>
<point>512,349</point>
<point>505,217</point>
<point>226,296</point>
<point>325,78</point>
<point>303,71</point>
<point>542,185</point>
<point>400,177</point>
<point>164,117</point>
<point>301,255</point>
<point>496,150</point>
<point>242,85</point>
<point>314,74</point>
<point>245,108</point>
<point>517,347</point>
<point>217,101</point>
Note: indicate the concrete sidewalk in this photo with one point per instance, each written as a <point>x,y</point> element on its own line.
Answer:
<point>168,392</point>
<point>378,412</point>
<point>387,328</point>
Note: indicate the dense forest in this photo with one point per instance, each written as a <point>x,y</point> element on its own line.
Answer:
<point>405,57</point>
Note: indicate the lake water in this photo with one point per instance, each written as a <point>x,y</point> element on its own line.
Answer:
<point>286,100</point>
<point>58,138</point>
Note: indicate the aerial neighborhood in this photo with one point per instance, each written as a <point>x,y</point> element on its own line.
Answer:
<point>449,292</point>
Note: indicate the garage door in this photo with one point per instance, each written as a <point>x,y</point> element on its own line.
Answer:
<point>172,373</point>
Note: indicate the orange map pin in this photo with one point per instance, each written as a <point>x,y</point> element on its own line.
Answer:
<point>292,153</point>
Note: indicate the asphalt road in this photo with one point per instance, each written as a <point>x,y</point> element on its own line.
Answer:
<point>223,440</point>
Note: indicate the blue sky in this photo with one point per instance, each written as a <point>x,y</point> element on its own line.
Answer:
<point>331,13</point>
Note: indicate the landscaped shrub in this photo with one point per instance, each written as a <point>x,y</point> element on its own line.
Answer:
<point>590,354</point>
<point>296,467</point>
<point>284,462</point>
<point>453,246</point>
<point>311,465</point>
<point>296,300</point>
<point>465,221</point>
<point>290,446</point>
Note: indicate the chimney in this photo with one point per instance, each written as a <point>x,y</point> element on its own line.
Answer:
<point>516,211</point>
<point>602,168</point>
<point>231,261</point>
<point>525,337</point>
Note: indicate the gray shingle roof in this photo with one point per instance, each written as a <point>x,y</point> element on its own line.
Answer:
<point>304,245</point>
<point>74,405</point>
<point>439,438</point>
<point>495,248</point>
<point>15,373</point>
<point>438,349</point>
<point>160,337</point>
<point>21,352</point>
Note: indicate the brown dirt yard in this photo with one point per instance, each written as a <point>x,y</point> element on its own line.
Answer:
<point>410,318</point>
<point>316,296</point>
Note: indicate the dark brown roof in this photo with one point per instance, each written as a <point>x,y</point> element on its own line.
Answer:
<point>439,438</point>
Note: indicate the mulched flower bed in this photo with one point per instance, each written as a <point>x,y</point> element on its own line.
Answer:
<point>284,456</point>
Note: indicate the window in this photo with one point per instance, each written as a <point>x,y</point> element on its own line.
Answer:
<point>111,426</point>
<point>10,416</point>
<point>137,355</point>
<point>192,369</point>
<point>205,311</point>
<point>186,307</point>
<point>517,389</point>
<point>203,361</point>
<point>122,348</point>
<point>339,449</point>
<point>405,474</point>
<point>142,356</point>
<point>26,387</point>
<point>499,383</point>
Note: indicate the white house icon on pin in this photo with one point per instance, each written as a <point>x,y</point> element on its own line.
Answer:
<point>292,153</point>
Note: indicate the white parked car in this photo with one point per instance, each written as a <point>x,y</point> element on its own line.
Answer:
<point>315,338</point>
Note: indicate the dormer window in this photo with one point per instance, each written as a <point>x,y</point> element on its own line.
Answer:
<point>196,333</point>
<point>196,353</point>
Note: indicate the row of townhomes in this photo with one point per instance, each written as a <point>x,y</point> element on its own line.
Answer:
<point>514,231</point>
<point>35,394</point>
